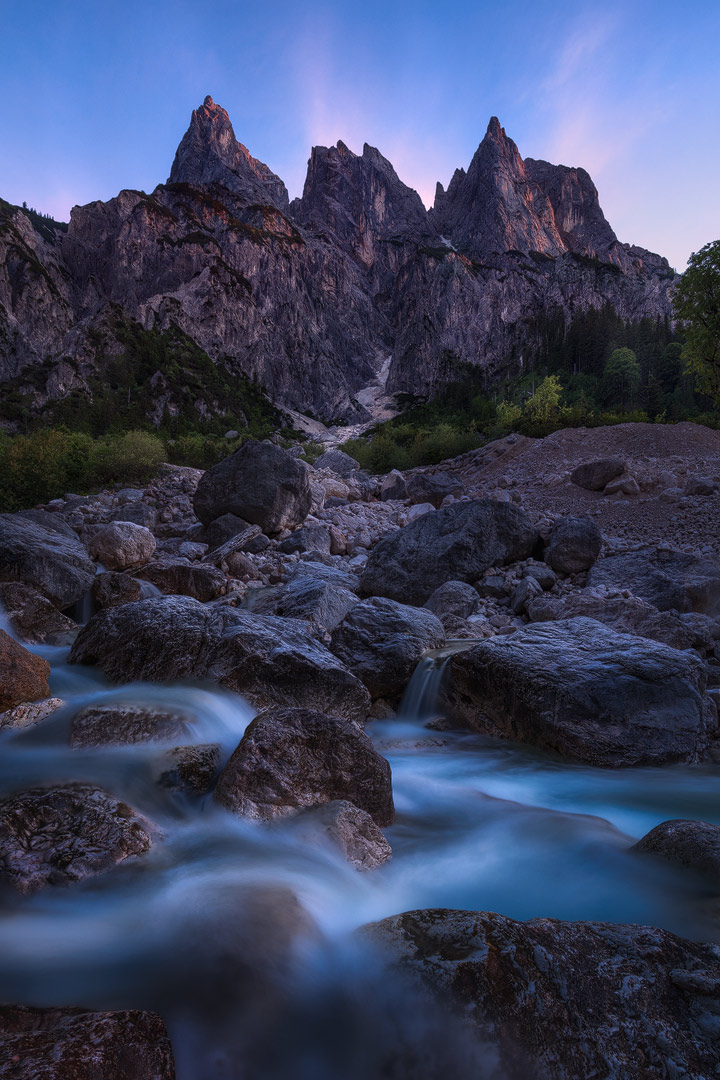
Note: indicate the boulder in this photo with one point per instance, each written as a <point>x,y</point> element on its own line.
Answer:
<point>57,835</point>
<point>171,576</point>
<point>290,759</point>
<point>33,617</point>
<point>23,676</point>
<point>260,483</point>
<point>624,485</point>
<point>595,475</point>
<point>393,487</point>
<point>338,462</point>
<point>139,513</point>
<point>122,545</point>
<point>585,691</point>
<point>558,1000</point>
<point>122,725</point>
<point>700,485</point>
<point>629,615</point>
<point>225,528</point>
<point>663,577</point>
<point>381,641</point>
<point>28,714</point>
<point>347,829</point>
<point>456,543</point>
<point>694,845</point>
<point>523,593</point>
<point>542,573</point>
<point>573,546</point>
<point>269,660</point>
<point>453,598</point>
<point>432,487</point>
<point>111,588</point>
<point>45,557</point>
<point>191,769</point>
<point>306,596</point>
<point>74,1044</point>
<point>236,545</point>
<point>307,538</point>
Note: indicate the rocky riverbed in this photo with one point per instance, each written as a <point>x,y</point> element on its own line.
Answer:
<point>308,772</point>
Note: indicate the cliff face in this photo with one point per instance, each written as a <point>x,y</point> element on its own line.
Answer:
<point>309,298</point>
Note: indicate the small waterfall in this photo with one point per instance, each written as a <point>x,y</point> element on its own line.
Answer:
<point>147,590</point>
<point>420,701</point>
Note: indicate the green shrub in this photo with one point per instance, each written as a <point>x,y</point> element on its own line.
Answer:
<point>134,456</point>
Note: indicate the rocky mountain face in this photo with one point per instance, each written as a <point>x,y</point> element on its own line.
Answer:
<point>311,297</point>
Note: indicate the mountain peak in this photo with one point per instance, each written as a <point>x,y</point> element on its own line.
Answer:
<point>209,153</point>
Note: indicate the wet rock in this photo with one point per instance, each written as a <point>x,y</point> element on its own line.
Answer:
<point>585,691</point>
<point>691,844</point>
<point>307,538</point>
<point>338,462</point>
<point>74,1044</point>
<point>573,546</point>
<point>28,714</point>
<point>121,725</point>
<point>381,641</point>
<point>203,582</point>
<point>34,618</point>
<point>260,483</point>
<point>307,596</point>
<point>111,588</point>
<point>432,488</point>
<point>269,660</point>
<point>453,598</point>
<point>23,676</point>
<point>191,769</point>
<point>289,759</point>
<point>57,835</point>
<point>393,487</point>
<point>595,475</point>
<point>348,829</point>
<point>629,615</point>
<point>122,545</point>
<point>563,1000</point>
<point>45,557</point>
<point>456,543</point>
<point>663,577</point>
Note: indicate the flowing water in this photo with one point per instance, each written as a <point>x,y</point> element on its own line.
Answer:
<point>241,935</point>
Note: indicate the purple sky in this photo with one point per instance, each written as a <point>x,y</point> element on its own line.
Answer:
<point>97,96</point>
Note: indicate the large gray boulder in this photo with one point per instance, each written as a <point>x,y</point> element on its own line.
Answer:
<point>585,691</point>
<point>125,725</point>
<point>573,546</point>
<point>663,577</point>
<point>52,560</point>
<point>453,598</point>
<point>74,1044</point>
<point>456,543</point>
<point>306,596</point>
<point>175,577</point>
<point>594,475</point>
<point>34,618</point>
<point>381,641</point>
<point>57,835</point>
<point>259,483</point>
<point>338,462</point>
<point>290,759</point>
<point>432,487</point>
<point>122,545</point>
<point>272,661</point>
<point>23,675</point>
<point>694,845</point>
<point>556,1000</point>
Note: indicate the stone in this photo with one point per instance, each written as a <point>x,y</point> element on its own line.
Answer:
<point>33,617</point>
<point>694,845</point>
<point>347,829</point>
<point>260,483</point>
<point>523,593</point>
<point>271,661</point>
<point>417,510</point>
<point>28,714</point>
<point>57,835</point>
<point>23,675</point>
<point>456,543</point>
<point>122,545</point>
<point>75,1044</point>
<point>624,485</point>
<point>432,488</point>
<point>585,691</point>
<point>306,596</point>
<point>44,557</point>
<point>124,725</point>
<point>393,487</point>
<point>111,588</point>
<point>224,528</point>
<point>700,485</point>
<point>573,546</point>
<point>240,543</point>
<point>139,513</point>
<point>172,577</point>
<point>338,462</point>
<point>595,475</point>
<point>491,587</point>
<point>629,615</point>
<point>542,573</point>
<point>307,538</point>
<point>453,598</point>
<point>663,577</point>
<point>566,1000</point>
<point>290,759</point>
<point>381,642</point>
<point>191,769</point>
